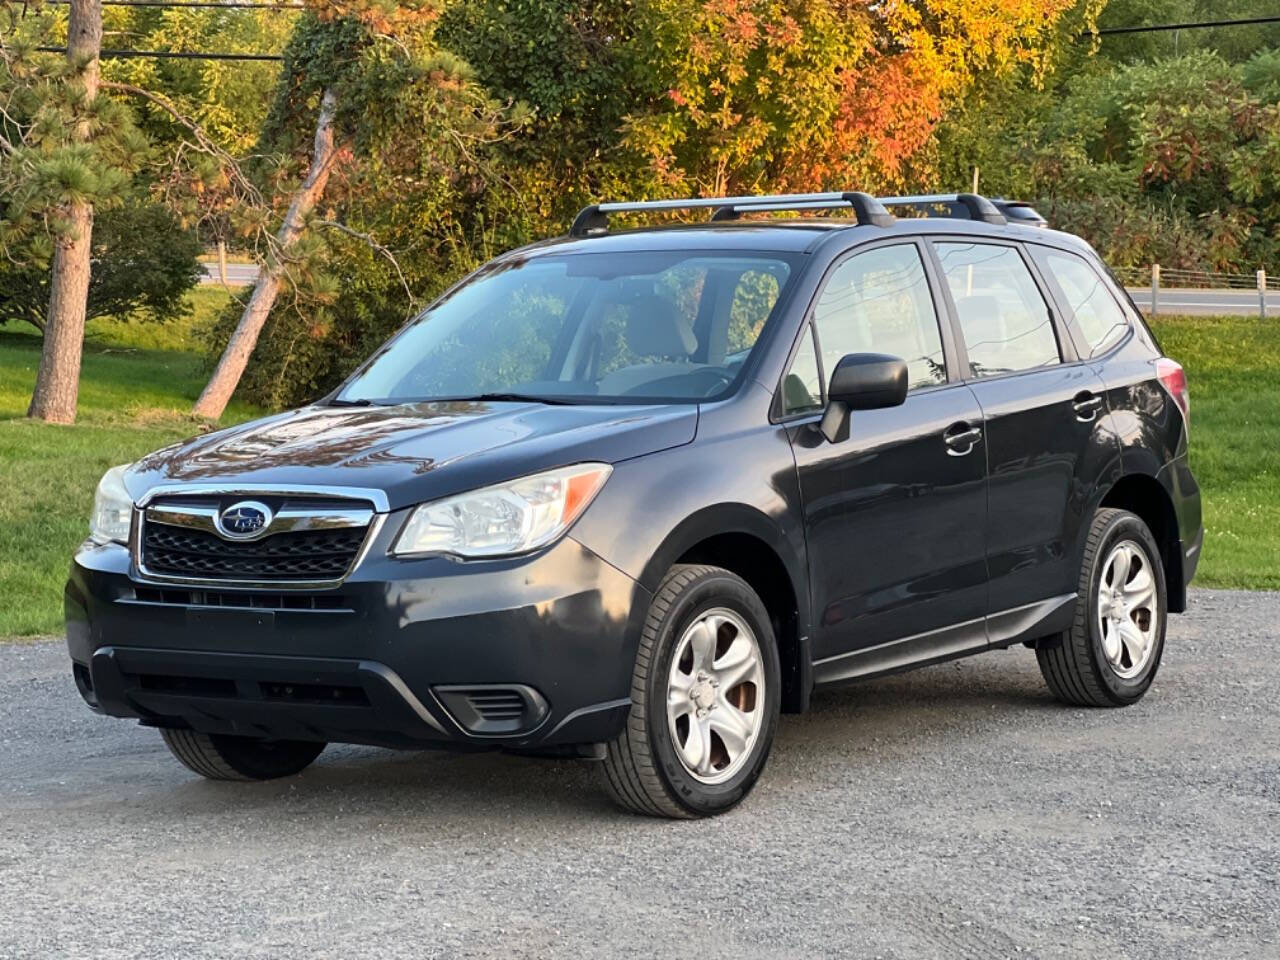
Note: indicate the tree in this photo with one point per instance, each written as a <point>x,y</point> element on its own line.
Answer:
<point>217,392</point>
<point>66,152</point>
<point>143,263</point>
<point>1175,161</point>
<point>766,93</point>
<point>387,115</point>
<point>607,99</point>
<point>58,380</point>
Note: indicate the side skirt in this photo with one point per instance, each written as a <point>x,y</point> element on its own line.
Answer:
<point>1002,629</point>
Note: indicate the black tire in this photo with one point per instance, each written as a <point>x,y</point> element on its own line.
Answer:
<point>1075,666</point>
<point>223,757</point>
<point>642,770</point>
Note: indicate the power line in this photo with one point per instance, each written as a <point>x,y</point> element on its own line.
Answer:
<point>1201,25</point>
<point>170,54</point>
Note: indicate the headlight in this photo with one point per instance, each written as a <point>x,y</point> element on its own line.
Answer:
<point>510,518</point>
<point>112,508</point>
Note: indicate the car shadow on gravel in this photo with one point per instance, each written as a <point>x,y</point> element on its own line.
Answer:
<point>918,712</point>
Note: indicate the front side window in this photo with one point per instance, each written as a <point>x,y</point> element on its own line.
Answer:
<point>879,302</point>
<point>661,326</point>
<point>1099,316</point>
<point>1004,319</point>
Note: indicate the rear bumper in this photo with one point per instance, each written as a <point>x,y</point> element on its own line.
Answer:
<point>1184,493</point>
<point>527,654</point>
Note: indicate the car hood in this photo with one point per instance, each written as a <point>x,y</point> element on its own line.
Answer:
<point>416,451</point>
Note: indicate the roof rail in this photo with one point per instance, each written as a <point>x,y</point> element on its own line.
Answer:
<point>1019,211</point>
<point>594,220</point>
<point>976,207</point>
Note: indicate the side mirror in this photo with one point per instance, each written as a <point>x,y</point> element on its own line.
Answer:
<point>862,381</point>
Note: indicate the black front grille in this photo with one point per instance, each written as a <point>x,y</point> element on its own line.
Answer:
<point>329,694</point>
<point>303,555</point>
<point>285,600</point>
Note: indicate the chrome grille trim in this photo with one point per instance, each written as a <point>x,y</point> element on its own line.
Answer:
<point>291,519</point>
<point>377,497</point>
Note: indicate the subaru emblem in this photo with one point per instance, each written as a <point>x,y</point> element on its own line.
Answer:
<point>243,520</point>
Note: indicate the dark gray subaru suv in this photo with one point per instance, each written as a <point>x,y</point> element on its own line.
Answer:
<point>628,496</point>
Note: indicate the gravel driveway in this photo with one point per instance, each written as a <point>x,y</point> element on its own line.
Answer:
<point>953,812</point>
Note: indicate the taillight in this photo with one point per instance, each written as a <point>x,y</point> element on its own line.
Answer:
<point>1174,379</point>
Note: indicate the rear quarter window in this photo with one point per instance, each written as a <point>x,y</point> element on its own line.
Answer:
<point>1099,318</point>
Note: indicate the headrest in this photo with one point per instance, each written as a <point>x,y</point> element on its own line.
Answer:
<point>655,328</point>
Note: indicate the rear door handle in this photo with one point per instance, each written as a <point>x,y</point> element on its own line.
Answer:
<point>961,438</point>
<point>1086,406</point>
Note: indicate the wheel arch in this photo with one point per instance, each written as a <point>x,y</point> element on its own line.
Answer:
<point>1142,494</point>
<point>746,542</point>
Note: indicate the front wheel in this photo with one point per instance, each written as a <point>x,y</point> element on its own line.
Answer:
<point>705,699</point>
<point>1110,655</point>
<point>225,757</point>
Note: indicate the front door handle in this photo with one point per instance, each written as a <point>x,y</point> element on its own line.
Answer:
<point>961,438</point>
<point>1086,406</point>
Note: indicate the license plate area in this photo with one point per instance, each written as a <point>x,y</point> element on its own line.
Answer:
<point>209,618</point>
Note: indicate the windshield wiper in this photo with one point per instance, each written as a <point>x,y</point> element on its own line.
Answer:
<point>344,402</point>
<point>509,398</point>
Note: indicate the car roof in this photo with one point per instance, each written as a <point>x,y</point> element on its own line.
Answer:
<point>795,234</point>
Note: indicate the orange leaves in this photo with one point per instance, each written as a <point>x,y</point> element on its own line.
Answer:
<point>819,94</point>
<point>890,107</point>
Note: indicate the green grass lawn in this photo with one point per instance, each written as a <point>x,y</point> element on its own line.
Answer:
<point>1233,369</point>
<point>135,397</point>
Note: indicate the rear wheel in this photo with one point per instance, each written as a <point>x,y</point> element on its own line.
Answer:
<point>704,699</point>
<point>1110,655</point>
<point>225,757</point>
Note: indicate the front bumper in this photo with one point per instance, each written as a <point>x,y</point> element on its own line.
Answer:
<point>526,654</point>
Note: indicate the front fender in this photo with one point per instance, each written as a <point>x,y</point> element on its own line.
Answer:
<point>734,478</point>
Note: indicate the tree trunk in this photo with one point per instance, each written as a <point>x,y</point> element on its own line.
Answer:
<point>58,380</point>
<point>217,392</point>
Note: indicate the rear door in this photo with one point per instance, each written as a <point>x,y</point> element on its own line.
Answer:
<point>1040,408</point>
<point>894,514</point>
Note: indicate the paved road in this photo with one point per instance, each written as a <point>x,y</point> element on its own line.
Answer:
<point>954,812</point>
<point>1171,300</point>
<point>1238,302</point>
<point>238,274</point>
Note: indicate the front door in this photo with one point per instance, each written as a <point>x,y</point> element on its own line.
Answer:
<point>895,513</point>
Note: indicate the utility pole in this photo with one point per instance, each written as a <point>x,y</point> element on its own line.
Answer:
<point>58,380</point>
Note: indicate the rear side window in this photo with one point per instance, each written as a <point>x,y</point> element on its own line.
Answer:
<point>1098,315</point>
<point>879,302</point>
<point>1004,318</point>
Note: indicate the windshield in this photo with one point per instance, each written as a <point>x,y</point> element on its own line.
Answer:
<point>584,328</point>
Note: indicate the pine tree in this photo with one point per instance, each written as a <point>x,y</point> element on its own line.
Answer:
<point>66,151</point>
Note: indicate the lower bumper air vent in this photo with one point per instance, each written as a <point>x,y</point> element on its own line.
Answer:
<point>494,710</point>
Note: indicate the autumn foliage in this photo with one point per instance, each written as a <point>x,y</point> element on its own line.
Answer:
<point>819,94</point>
<point>467,127</point>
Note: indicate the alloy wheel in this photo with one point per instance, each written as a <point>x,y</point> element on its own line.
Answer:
<point>1127,609</point>
<point>715,695</point>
